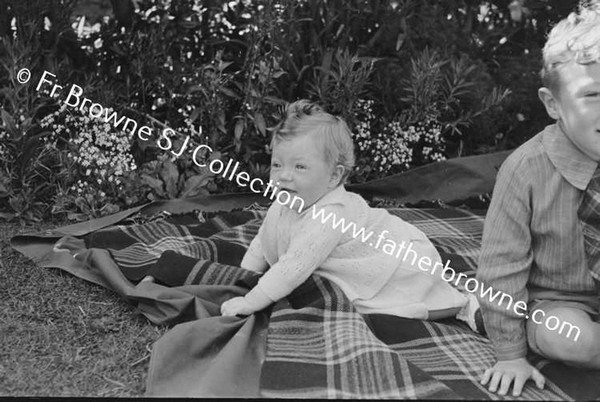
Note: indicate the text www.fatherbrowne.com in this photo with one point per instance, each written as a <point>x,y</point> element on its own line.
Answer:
<point>471,285</point>
<point>243,179</point>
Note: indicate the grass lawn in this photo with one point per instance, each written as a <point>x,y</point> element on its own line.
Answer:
<point>62,336</point>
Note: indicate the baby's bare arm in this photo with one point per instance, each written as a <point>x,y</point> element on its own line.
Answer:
<point>254,259</point>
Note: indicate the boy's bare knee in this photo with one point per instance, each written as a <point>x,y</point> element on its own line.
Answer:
<point>582,350</point>
<point>555,346</point>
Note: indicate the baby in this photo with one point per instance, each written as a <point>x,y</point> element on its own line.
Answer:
<point>312,156</point>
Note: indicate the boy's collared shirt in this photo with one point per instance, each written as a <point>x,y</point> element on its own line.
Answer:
<point>532,240</point>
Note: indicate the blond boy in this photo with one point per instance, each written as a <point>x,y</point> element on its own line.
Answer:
<point>533,242</point>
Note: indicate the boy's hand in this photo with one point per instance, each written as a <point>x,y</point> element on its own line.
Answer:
<point>236,306</point>
<point>505,372</point>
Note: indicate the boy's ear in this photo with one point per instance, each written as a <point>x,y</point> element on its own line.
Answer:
<point>336,176</point>
<point>549,102</point>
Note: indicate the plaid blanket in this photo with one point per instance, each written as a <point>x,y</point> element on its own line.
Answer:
<point>317,345</point>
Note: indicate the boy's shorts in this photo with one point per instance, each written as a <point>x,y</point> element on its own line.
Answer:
<point>547,306</point>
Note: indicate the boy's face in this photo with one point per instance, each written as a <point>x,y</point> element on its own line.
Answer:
<point>299,165</point>
<point>576,106</point>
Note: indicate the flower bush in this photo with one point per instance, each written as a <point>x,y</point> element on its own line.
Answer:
<point>104,154</point>
<point>98,163</point>
<point>418,81</point>
<point>385,149</point>
<point>27,170</point>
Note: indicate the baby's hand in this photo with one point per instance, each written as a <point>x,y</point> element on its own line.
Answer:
<point>236,306</point>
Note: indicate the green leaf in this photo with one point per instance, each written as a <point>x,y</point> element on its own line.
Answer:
<point>169,175</point>
<point>275,100</point>
<point>223,65</point>
<point>117,50</point>
<point>109,209</point>
<point>196,88</point>
<point>16,204</point>
<point>195,185</point>
<point>229,92</point>
<point>72,216</point>
<point>83,206</point>
<point>189,24</point>
<point>3,191</point>
<point>259,122</point>
<point>195,114</point>
<point>154,183</point>
<point>221,121</point>
<point>9,122</point>
<point>239,129</point>
<point>400,40</point>
<point>7,216</point>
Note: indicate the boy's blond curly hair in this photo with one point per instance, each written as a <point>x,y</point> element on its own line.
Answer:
<point>577,38</point>
<point>331,133</point>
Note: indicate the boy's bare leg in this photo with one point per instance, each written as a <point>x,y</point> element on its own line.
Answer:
<point>577,348</point>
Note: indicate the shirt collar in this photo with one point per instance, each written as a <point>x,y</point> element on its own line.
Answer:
<point>573,165</point>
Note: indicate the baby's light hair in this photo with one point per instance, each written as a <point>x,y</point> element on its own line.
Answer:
<point>330,132</point>
<point>577,38</point>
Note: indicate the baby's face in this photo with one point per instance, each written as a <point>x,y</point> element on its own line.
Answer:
<point>578,106</point>
<point>298,166</point>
